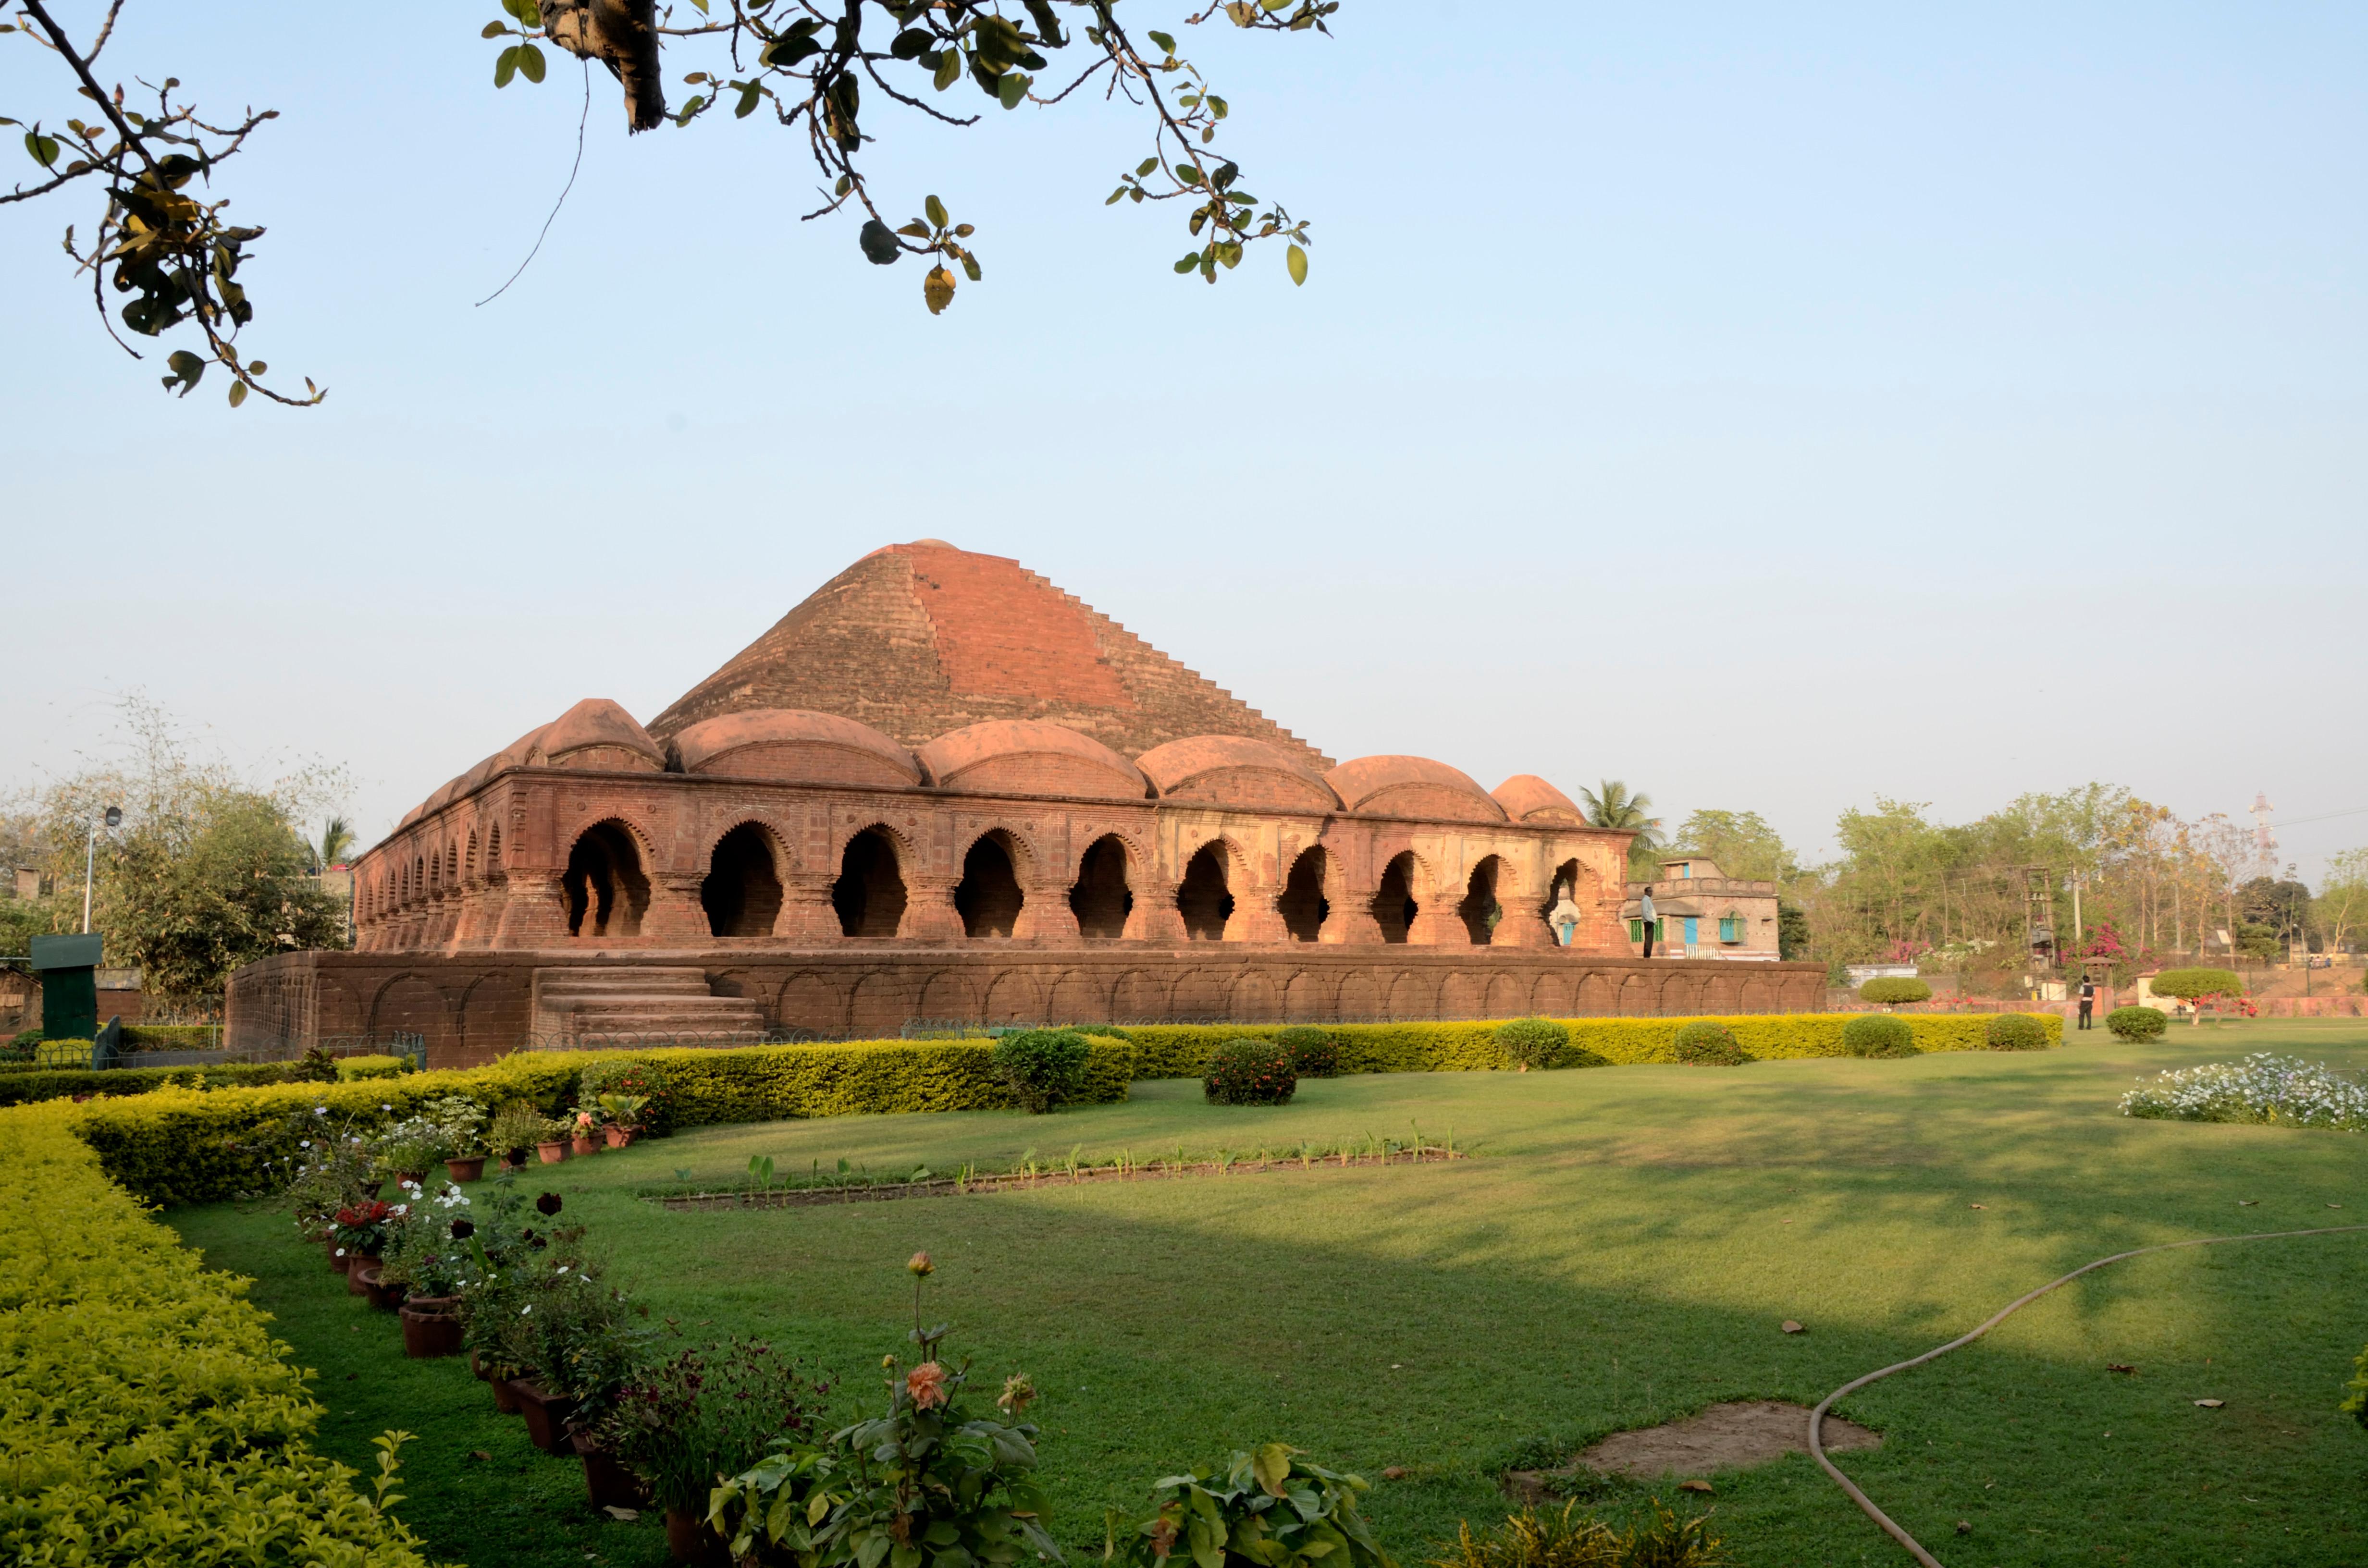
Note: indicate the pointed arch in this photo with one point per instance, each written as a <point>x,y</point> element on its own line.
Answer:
<point>607,881</point>
<point>742,892</point>
<point>869,893</point>
<point>1103,895</point>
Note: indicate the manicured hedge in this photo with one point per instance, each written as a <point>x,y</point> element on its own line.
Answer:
<point>172,1036</point>
<point>61,1083</point>
<point>180,1146</point>
<point>1177,1051</point>
<point>145,1414</point>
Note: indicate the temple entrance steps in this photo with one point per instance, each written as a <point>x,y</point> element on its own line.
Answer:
<point>584,1006</point>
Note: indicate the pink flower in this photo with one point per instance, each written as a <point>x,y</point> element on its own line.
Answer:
<point>927,1385</point>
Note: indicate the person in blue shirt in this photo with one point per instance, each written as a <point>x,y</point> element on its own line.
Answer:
<point>1647,902</point>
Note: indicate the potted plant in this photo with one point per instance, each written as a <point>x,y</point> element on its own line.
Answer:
<point>584,1132</point>
<point>624,1112</point>
<point>629,1075</point>
<point>556,1135</point>
<point>427,1257</point>
<point>408,1149</point>
<point>517,1128</point>
<point>703,1412</point>
<point>328,1168</point>
<point>360,1236</point>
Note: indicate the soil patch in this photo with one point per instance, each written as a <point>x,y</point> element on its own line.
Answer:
<point>1725,1437</point>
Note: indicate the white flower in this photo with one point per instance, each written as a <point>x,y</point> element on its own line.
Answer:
<point>526,1308</point>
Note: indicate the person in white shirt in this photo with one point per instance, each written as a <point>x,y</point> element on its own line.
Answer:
<point>1648,901</point>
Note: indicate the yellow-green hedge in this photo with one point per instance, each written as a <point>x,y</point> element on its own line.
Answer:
<point>352,1067</point>
<point>1177,1051</point>
<point>145,1414</point>
<point>56,1084</point>
<point>180,1145</point>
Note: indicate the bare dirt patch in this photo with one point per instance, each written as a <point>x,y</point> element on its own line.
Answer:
<point>1733,1435</point>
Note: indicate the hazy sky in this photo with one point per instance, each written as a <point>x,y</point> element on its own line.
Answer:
<point>1772,407</point>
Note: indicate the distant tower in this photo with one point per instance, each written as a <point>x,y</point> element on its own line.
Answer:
<point>2265,843</point>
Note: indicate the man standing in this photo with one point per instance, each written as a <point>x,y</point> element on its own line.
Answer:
<point>1647,902</point>
<point>2088,999</point>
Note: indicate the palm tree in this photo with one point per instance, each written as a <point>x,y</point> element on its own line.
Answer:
<point>1610,804</point>
<point>336,842</point>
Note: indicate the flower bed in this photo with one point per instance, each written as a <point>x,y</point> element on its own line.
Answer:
<point>146,1414</point>
<point>2263,1088</point>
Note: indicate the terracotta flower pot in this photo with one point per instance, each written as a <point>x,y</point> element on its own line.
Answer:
<point>618,1137</point>
<point>511,1164</point>
<point>417,1178</point>
<point>606,1481</point>
<point>336,1255</point>
<point>470,1169</point>
<point>546,1416</point>
<point>506,1398</point>
<point>585,1143</point>
<point>354,1264</point>
<point>384,1296</point>
<point>553,1151</point>
<point>689,1540</point>
<point>431,1327</point>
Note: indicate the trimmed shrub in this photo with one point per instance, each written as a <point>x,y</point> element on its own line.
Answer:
<point>350,1068</point>
<point>21,1087</point>
<point>172,1036</point>
<point>1045,1068</point>
<point>2187,984</point>
<point>640,1077</point>
<point>1886,990</point>
<point>2138,1023</point>
<point>1179,1051</point>
<point>1249,1071</point>
<point>1533,1042</point>
<point>180,1146</point>
<point>1706,1042</point>
<point>151,1417</point>
<point>2018,1031</point>
<point>1880,1034</point>
<point>1313,1055</point>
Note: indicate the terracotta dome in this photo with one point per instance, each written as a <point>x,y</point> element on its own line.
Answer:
<point>794,745</point>
<point>1228,770</point>
<point>596,732</point>
<point>1528,797</point>
<point>1411,787</point>
<point>1021,756</point>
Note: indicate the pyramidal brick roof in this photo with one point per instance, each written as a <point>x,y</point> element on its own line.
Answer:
<point>915,640</point>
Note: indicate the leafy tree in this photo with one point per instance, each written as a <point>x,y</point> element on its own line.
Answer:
<point>1792,931</point>
<point>2342,906</point>
<point>208,871</point>
<point>336,842</point>
<point>2281,906</point>
<point>1741,842</point>
<point>829,76</point>
<point>1610,804</point>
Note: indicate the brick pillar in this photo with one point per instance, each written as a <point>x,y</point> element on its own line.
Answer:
<point>675,909</point>
<point>1154,917</point>
<point>1437,924</point>
<point>1351,922</point>
<point>534,910</point>
<point>930,912</point>
<point>807,914</point>
<point>1520,926</point>
<point>1046,915</point>
<point>1256,917</point>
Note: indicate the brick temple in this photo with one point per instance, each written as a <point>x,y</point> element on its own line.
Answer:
<point>941,790</point>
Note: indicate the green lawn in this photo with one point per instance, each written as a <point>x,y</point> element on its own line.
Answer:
<point>1621,1253</point>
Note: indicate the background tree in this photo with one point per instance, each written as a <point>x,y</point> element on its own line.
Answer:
<point>2342,906</point>
<point>827,75</point>
<point>1741,842</point>
<point>208,871</point>
<point>1610,804</point>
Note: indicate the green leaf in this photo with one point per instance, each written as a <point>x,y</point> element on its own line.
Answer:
<point>910,43</point>
<point>1114,196</point>
<point>1188,175</point>
<point>1271,1464</point>
<point>1163,41</point>
<point>1012,88</point>
<point>970,266</point>
<point>949,67</point>
<point>493,30</point>
<point>749,93</point>
<point>506,67</point>
<point>936,210</point>
<point>1145,166</point>
<point>881,248</point>
<point>915,229</point>
<point>186,367</point>
<point>530,13</point>
<point>1296,260</point>
<point>1191,260</point>
<point>44,149</point>
<point>1217,105</point>
<point>237,393</point>
<point>531,62</point>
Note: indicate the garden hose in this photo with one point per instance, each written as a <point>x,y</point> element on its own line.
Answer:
<point>1817,1416</point>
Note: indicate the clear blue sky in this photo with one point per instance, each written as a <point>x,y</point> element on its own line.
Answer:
<point>1772,410</point>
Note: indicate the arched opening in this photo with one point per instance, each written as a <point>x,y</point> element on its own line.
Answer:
<point>1303,906</point>
<point>988,897</point>
<point>1393,905</point>
<point>1479,909</point>
<point>869,892</point>
<point>607,891</point>
<point>493,849</point>
<point>742,893</point>
<point>1203,898</point>
<point>1100,898</point>
<point>1564,885</point>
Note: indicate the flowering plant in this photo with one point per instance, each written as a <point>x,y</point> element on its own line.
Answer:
<point>708,1413</point>
<point>361,1227</point>
<point>2263,1088</point>
<point>644,1080</point>
<point>422,1255</point>
<point>927,1481</point>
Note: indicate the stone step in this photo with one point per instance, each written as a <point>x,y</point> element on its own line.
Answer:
<point>633,980</point>
<point>726,1007</point>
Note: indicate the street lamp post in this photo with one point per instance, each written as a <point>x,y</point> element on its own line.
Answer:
<point>113,817</point>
